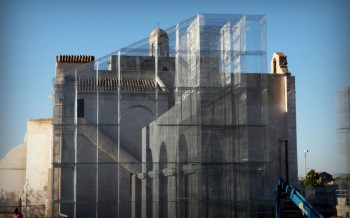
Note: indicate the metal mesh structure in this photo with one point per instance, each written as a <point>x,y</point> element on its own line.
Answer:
<point>343,122</point>
<point>184,123</point>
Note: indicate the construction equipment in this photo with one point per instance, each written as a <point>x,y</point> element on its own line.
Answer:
<point>284,190</point>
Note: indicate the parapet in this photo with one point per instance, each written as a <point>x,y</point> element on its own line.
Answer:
<point>41,120</point>
<point>75,58</point>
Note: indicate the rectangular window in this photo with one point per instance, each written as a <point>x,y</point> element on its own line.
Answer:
<point>80,109</point>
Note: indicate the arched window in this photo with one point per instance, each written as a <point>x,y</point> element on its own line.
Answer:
<point>215,177</point>
<point>149,168</point>
<point>183,178</point>
<point>163,182</point>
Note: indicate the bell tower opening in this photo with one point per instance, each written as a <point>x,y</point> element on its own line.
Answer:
<point>279,64</point>
<point>160,36</point>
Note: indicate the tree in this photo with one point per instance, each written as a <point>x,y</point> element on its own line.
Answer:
<point>313,179</point>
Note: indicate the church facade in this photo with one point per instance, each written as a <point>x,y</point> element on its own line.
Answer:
<point>185,123</point>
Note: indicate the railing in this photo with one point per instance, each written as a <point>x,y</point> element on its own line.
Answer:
<point>343,197</point>
<point>6,211</point>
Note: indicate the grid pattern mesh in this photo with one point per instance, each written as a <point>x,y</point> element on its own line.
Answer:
<point>174,125</point>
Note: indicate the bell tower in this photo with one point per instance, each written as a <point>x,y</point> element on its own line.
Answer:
<point>163,43</point>
<point>279,63</point>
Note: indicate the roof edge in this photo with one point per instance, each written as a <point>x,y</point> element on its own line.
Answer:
<point>74,58</point>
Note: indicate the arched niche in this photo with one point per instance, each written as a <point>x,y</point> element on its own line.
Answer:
<point>215,178</point>
<point>183,178</point>
<point>163,182</point>
<point>132,121</point>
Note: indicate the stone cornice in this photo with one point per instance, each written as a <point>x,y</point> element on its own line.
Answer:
<point>189,168</point>
<point>142,175</point>
<point>170,171</point>
<point>153,174</point>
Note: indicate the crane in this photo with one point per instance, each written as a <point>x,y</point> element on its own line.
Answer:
<point>284,190</point>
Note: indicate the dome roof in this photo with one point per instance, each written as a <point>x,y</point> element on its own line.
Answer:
<point>159,32</point>
<point>15,158</point>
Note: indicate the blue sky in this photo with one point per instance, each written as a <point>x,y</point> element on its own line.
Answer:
<point>313,34</point>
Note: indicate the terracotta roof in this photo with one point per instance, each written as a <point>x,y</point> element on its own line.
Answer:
<point>280,53</point>
<point>112,84</point>
<point>159,32</point>
<point>75,58</point>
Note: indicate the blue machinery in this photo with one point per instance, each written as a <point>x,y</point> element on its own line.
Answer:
<point>285,190</point>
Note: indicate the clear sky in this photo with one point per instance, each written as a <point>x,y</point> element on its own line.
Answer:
<point>314,34</point>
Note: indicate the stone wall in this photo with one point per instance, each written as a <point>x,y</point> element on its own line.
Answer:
<point>35,197</point>
<point>25,171</point>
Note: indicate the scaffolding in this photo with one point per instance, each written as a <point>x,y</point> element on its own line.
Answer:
<point>184,123</point>
<point>343,122</point>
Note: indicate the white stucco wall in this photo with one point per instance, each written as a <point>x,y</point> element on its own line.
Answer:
<point>25,171</point>
<point>12,175</point>
<point>39,137</point>
<point>37,187</point>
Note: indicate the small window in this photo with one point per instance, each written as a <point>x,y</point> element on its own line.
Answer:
<point>80,109</point>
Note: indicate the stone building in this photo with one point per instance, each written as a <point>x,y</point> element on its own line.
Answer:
<point>25,172</point>
<point>185,123</point>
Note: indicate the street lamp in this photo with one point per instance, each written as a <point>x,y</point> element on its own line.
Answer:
<point>305,153</point>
